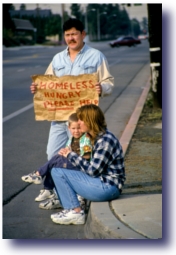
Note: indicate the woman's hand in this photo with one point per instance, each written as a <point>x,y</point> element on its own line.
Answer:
<point>61,152</point>
<point>64,152</point>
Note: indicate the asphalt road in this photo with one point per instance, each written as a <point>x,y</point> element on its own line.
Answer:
<point>24,139</point>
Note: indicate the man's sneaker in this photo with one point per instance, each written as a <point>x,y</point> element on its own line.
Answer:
<point>32,178</point>
<point>52,203</point>
<point>44,194</point>
<point>67,217</point>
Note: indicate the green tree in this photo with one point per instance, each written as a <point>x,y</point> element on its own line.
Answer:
<point>22,7</point>
<point>8,27</point>
<point>76,11</point>
<point>12,7</point>
<point>53,26</point>
<point>144,25</point>
<point>125,25</point>
<point>92,20</point>
<point>135,27</point>
<point>7,21</point>
<point>113,21</point>
<point>66,16</point>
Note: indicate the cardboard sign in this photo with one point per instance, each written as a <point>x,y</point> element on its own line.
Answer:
<point>58,97</point>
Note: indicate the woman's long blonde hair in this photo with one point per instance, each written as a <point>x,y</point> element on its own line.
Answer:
<point>93,117</point>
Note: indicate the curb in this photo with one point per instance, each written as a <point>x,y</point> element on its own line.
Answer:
<point>105,225</point>
<point>131,125</point>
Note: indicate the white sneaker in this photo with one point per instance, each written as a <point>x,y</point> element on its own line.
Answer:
<point>69,217</point>
<point>82,202</point>
<point>52,203</point>
<point>80,198</point>
<point>32,178</point>
<point>55,215</point>
<point>44,194</point>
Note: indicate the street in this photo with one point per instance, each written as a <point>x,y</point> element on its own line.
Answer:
<point>25,140</point>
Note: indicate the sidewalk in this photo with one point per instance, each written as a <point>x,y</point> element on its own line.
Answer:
<point>138,212</point>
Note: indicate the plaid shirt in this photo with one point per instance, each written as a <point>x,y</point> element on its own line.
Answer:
<point>107,161</point>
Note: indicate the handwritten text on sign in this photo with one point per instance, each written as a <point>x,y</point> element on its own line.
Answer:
<point>57,97</point>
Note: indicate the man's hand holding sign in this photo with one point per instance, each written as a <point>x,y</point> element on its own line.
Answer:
<point>57,97</point>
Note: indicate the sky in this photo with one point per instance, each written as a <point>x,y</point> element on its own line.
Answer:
<point>137,12</point>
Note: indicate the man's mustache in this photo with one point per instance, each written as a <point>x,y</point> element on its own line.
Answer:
<point>72,41</point>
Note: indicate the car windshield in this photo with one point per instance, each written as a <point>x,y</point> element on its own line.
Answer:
<point>120,38</point>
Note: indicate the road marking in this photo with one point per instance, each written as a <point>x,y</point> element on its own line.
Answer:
<point>20,58</point>
<point>20,70</point>
<point>12,115</point>
<point>117,61</point>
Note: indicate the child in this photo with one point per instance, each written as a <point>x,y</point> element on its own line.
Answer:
<point>79,143</point>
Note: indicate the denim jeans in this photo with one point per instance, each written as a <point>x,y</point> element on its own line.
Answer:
<point>55,161</point>
<point>69,183</point>
<point>58,137</point>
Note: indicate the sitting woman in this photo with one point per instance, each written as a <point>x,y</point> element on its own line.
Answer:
<point>100,179</point>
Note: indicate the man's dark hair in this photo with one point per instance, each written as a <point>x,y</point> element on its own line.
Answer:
<point>76,23</point>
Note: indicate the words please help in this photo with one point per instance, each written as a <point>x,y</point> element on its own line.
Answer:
<point>58,97</point>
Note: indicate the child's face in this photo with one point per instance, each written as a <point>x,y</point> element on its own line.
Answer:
<point>75,130</point>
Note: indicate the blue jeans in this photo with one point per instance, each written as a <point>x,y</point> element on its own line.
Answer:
<point>69,183</point>
<point>58,137</point>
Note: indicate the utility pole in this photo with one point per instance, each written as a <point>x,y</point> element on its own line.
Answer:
<point>155,42</point>
<point>62,21</point>
<point>98,26</point>
<point>38,22</point>
<point>98,23</point>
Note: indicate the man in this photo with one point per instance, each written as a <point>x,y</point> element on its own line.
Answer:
<point>78,58</point>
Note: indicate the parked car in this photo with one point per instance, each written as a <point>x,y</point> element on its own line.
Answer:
<point>125,41</point>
